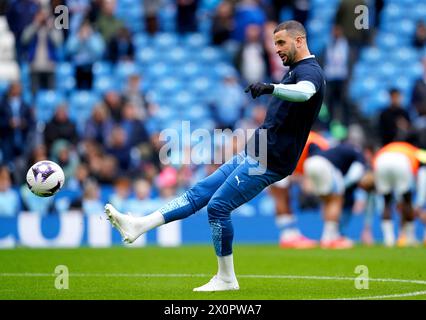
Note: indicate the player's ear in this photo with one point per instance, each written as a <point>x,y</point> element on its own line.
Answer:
<point>299,41</point>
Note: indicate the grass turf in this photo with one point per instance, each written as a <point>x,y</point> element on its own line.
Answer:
<point>138,273</point>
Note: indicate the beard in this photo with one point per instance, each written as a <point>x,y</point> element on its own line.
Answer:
<point>290,56</point>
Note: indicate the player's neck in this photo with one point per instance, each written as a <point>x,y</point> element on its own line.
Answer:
<point>304,54</point>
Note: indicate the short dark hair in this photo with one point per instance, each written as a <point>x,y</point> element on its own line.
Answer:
<point>295,28</point>
<point>394,91</point>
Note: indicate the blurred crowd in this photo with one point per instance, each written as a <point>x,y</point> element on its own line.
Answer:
<point>114,148</point>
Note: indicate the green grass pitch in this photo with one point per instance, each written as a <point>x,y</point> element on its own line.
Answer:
<point>265,272</point>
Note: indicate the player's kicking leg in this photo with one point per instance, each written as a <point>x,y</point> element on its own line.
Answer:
<point>240,187</point>
<point>190,202</point>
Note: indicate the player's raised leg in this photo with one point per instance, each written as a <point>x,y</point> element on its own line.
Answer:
<point>240,187</point>
<point>181,207</point>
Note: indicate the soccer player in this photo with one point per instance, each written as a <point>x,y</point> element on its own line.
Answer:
<point>292,110</point>
<point>290,235</point>
<point>396,166</point>
<point>331,173</point>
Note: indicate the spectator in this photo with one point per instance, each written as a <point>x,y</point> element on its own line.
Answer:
<point>20,14</point>
<point>133,93</point>
<point>394,121</point>
<point>84,49</point>
<point>81,175</point>
<point>98,125</point>
<point>91,202</point>
<point>60,127</point>
<point>336,69</point>
<point>108,170</point>
<point>65,157</point>
<point>107,24</point>
<point>78,10</point>
<point>141,202</point>
<point>420,35</point>
<point>345,18</point>
<point>277,7</point>
<point>167,183</point>
<point>418,97</point>
<point>120,196</point>
<point>133,127</point>
<point>229,102</point>
<point>151,9</point>
<point>114,105</point>
<point>301,10</point>
<point>42,39</point>
<point>119,148</point>
<point>252,58</point>
<point>9,198</point>
<point>186,16</point>
<point>121,47</point>
<point>222,23</point>
<point>247,12</point>
<point>16,125</point>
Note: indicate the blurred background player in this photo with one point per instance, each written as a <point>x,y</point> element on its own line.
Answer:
<point>396,167</point>
<point>285,220</point>
<point>330,173</point>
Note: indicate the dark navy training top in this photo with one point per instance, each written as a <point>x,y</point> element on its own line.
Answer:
<point>342,156</point>
<point>288,123</point>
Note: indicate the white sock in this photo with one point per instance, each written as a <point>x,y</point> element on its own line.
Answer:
<point>330,231</point>
<point>226,268</point>
<point>388,232</point>
<point>286,223</point>
<point>150,221</point>
<point>409,231</point>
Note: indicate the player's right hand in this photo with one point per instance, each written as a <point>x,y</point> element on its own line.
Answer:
<point>259,88</point>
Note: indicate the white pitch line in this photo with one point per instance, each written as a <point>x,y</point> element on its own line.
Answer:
<point>389,296</point>
<point>255,276</point>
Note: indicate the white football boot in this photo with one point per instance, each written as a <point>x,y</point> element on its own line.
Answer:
<point>125,224</point>
<point>217,284</point>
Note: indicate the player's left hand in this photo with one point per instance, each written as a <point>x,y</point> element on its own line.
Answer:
<point>259,88</point>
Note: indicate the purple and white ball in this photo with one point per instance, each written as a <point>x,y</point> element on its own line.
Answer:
<point>45,178</point>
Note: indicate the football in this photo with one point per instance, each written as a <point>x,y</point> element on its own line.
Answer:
<point>45,178</point>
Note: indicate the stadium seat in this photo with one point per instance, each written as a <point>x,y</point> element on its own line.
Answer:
<point>124,69</point>
<point>195,40</point>
<point>104,83</point>
<point>165,41</point>
<point>46,102</point>
<point>102,68</point>
<point>81,104</point>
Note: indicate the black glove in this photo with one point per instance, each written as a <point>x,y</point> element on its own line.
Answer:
<point>259,88</point>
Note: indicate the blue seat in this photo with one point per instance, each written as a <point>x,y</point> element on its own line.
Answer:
<point>125,69</point>
<point>104,83</point>
<point>372,55</point>
<point>141,40</point>
<point>146,56</point>
<point>102,68</point>
<point>372,104</point>
<point>195,40</point>
<point>209,55</point>
<point>405,55</point>
<point>190,69</point>
<point>65,76</point>
<point>165,40</point>
<point>46,102</point>
<point>81,105</point>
